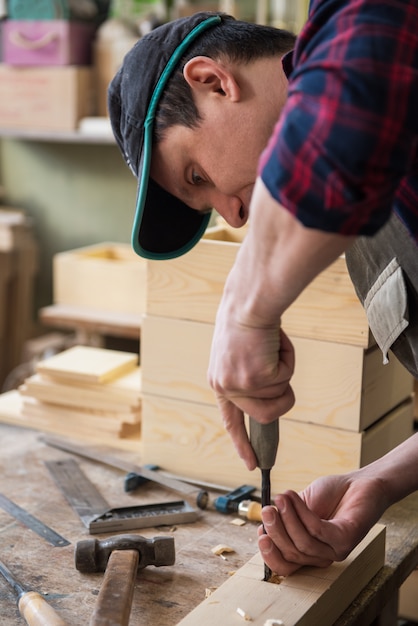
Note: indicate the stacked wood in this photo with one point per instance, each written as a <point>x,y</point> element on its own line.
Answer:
<point>350,408</point>
<point>18,268</point>
<point>89,393</point>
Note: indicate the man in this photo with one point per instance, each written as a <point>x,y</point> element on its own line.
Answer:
<point>339,174</point>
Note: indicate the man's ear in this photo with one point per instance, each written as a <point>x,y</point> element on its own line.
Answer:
<point>203,74</point>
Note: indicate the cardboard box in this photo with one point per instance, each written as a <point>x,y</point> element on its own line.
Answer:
<point>106,276</point>
<point>45,98</point>
<point>47,42</point>
<point>190,287</point>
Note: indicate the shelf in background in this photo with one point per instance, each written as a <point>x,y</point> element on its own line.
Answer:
<point>91,131</point>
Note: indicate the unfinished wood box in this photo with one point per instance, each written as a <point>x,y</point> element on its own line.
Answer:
<point>188,438</point>
<point>105,276</point>
<point>336,385</point>
<point>350,408</point>
<point>190,287</point>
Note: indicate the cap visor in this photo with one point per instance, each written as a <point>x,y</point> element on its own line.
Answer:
<point>165,227</point>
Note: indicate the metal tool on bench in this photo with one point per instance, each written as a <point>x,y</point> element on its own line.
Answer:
<point>32,606</point>
<point>120,557</point>
<point>88,452</point>
<point>33,523</point>
<point>238,501</point>
<point>95,512</point>
<point>264,439</point>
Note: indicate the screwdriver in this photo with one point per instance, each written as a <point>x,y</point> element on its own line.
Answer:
<point>264,439</point>
<point>32,606</point>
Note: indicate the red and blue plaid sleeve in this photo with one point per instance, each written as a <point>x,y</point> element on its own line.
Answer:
<point>346,142</point>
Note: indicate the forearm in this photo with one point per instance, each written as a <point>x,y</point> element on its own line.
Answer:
<point>277,260</point>
<point>397,470</point>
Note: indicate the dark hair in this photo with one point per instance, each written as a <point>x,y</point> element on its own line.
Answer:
<point>236,41</point>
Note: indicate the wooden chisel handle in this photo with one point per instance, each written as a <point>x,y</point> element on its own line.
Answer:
<point>264,439</point>
<point>114,602</point>
<point>37,612</point>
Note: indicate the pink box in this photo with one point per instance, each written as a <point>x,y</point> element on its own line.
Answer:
<point>47,42</point>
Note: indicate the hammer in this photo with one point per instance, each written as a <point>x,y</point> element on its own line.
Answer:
<point>120,557</point>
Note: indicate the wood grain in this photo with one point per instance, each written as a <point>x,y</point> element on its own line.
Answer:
<point>310,596</point>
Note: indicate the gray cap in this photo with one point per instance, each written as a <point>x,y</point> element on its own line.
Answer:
<point>164,227</point>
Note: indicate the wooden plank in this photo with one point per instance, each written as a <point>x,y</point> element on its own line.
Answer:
<point>335,384</point>
<point>310,596</point>
<point>190,287</point>
<point>107,276</point>
<point>188,438</point>
<point>88,364</point>
<point>12,412</point>
<point>118,395</point>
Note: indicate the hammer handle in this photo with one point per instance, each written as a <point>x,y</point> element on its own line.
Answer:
<point>37,612</point>
<point>114,602</point>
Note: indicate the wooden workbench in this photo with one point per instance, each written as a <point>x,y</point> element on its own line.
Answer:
<point>163,595</point>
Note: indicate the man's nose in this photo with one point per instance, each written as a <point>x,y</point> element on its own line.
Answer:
<point>230,208</point>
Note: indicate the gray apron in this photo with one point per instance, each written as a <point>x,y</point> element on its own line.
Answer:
<point>384,271</point>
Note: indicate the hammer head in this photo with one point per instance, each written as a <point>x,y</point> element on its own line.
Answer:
<point>92,555</point>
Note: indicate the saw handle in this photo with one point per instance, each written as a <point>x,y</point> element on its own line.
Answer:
<point>36,611</point>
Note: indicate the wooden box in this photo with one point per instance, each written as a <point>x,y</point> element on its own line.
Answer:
<point>190,287</point>
<point>336,385</point>
<point>45,98</point>
<point>188,438</point>
<point>106,276</point>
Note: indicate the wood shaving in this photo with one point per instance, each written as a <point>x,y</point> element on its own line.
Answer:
<point>237,521</point>
<point>221,548</point>
<point>244,615</point>
<point>273,622</point>
<point>209,591</point>
<point>276,579</point>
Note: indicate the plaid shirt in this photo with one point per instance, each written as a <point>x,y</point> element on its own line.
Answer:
<point>344,152</point>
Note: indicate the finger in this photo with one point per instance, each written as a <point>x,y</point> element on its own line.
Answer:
<point>273,557</point>
<point>233,419</point>
<point>295,542</point>
<point>265,410</point>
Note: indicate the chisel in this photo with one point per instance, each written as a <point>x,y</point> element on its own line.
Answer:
<point>32,606</point>
<point>264,439</point>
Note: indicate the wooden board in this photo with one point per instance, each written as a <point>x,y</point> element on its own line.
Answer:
<point>117,395</point>
<point>188,438</point>
<point>190,287</point>
<point>312,596</point>
<point>125,436</point>
<point>88,364</point>
<point>335,384</point>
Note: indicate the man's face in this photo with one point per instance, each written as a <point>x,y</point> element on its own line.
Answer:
<point>215,164</point>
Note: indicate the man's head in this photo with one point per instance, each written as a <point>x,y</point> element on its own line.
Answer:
<point>191,109</point>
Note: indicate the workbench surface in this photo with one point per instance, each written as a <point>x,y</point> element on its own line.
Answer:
<point>163,595</point>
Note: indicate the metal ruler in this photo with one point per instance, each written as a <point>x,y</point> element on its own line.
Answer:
<point>95,512</point>
<point>33,523</point>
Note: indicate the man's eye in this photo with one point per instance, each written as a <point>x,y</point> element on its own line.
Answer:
<point>196,179</point>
